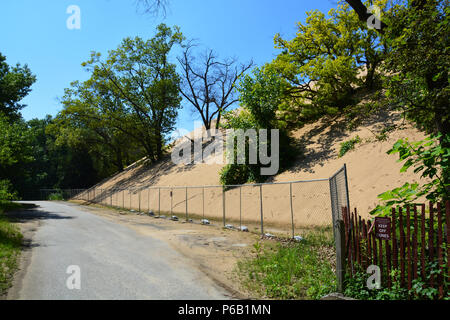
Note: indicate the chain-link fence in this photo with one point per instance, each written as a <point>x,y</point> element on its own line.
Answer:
<point>339,193</point>
<point>51,194</point>
<point>279,208</point>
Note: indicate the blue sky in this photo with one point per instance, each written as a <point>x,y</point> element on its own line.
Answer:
<point>34,32</point>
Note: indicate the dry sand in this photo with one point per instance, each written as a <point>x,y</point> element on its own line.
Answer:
<point>370,171</point>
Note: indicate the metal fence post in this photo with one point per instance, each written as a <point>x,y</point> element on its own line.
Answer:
<point>159,202</point>
<point>292,210</point>
<point>240,208</point>
<point>171,202</point>
<point>340,254</point>
<point>203,201</point>
<point>261,207</point>
<point>223,205</point>
<point>337,205</point>
<point>186,198</point>
<point>346,186</point>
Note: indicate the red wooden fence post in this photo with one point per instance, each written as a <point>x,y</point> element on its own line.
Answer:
<point>402,248</point>
<point>374,245</point>
<point>430,241</point>
<point>358,244</point>
<point>447,218</point>
<point>388,262</point>
<point>353,236</point>
<point>422,242</point>
<point>394,240</point>
<point>415,261</point>
<point>408,245</point>
<point>439,250</point>
<point>380,258</point>
<point>369,245</point>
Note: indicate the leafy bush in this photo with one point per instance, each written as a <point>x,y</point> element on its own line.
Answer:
<point>239,174</point>
<point>262,95</point>
<point>55,196</point>
<point>356,287</point>
<point>6,192</point>
<point>348,145</point>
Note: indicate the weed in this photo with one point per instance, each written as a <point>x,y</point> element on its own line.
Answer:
<point>10,245</point>
<point>291,271</point>
<point>348,145</point>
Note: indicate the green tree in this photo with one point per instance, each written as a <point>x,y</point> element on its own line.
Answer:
<point>325,61</point>
<point>86,120</point>
<point>15,84</point>
<point>15,150</point>
<point>262,95</point>
<point>417,62</point>
<point>138,78</point>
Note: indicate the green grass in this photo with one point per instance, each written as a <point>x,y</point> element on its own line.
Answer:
<point>302,270</point>
<point>10,246</point>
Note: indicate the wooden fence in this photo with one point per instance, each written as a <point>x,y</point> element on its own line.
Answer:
<point>416,243</point>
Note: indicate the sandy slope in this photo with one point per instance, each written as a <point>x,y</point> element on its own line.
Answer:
<point>370,171</point>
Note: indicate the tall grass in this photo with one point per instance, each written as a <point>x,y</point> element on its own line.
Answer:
<point>10,246</point>
<point>303,270</point>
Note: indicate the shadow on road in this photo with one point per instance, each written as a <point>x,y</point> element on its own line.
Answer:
<point>29,218</point>
<point>31,211</point>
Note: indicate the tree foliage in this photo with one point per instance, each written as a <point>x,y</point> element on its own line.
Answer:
<point>328,59</point>
<point>15,84</point>
<point>261,94</point>
<point>417,64</point>
<point>87,121</point>
<point>141,84</point>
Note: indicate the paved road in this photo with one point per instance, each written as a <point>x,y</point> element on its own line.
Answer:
<point>115,262</point>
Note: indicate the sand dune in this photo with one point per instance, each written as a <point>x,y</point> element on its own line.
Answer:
<point>370,172</point>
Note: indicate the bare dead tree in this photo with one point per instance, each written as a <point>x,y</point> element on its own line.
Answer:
<point>153,7</point>
<point>208,83</point>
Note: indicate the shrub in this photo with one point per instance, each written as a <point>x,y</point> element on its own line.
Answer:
<point>356,287</point>
<point>239,174</point>
<point>348,145</point>
<point>55,196</point>
<point>6,192</point>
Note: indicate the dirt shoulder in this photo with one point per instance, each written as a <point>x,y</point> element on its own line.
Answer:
<point>211,248</point>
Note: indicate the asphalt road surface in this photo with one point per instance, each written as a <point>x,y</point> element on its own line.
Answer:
<point>114,262</point>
